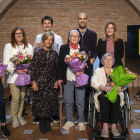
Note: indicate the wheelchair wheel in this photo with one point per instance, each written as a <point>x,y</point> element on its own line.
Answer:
<point>127,111</point>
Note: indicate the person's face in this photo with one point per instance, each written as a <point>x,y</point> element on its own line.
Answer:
<point>74,38</point>
<point>47,25</point>
<point>19,36</point>
<point>82,21</point>
<point>108,62</point>
<point>48,42</point>
<point>110,30</point>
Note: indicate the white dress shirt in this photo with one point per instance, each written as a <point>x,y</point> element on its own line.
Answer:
<point>57,41</point>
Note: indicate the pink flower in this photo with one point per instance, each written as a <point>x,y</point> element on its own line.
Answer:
<point>20,56</point>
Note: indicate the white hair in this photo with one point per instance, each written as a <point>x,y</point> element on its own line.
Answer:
<point>74,31</point>
<point>105,55</point>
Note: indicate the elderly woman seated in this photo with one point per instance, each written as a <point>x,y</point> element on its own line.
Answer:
<point>102,82</point>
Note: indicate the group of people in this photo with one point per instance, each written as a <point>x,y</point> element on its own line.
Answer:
<point>49,70</point>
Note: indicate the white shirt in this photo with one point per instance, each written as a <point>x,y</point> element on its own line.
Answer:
<point>70,74</point>
<point>9,51</point>
<point>57,41</point>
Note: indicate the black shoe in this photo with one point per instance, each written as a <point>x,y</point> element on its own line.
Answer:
<point>35,120</point>
<point>48,127</point>
<point>5,131</point>
<point>42,126</point>
<point>56,119</point>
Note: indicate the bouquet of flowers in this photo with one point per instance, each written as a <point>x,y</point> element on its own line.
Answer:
<point>2,69</point>
<point>120,76</point>
<point>21,62</point>
<point>77,63</point>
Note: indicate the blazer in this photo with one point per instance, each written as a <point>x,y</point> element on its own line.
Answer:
<point>62,66</point>
<point>99,78</point>
<point>9,51</point>
<point>118,51</point>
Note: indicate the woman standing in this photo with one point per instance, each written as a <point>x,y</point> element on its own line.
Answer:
<point>18,43</point>
<point>111,43</point>
<point>44,84</point>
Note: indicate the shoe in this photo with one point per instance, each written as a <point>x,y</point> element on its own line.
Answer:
<point>105,135</point>
<point>35,120</point>
<point>48,127</point>
<point>5,131</point>
<point>81,126</point>
<point>86,120</point>
<point>116,133</point>
<point>56,119</point>
<point>22,121</point>
<point>42,126</point>
<point>15,123</point>
<point>68,125</point>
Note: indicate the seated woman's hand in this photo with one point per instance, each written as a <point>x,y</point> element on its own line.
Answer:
<point>56,85</point>
<point>107,89</point>
<point>120,89</point>
<point>34,86</point>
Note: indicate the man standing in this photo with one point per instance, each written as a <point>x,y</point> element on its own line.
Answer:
<point>47,23</point>
<point>89,40</point>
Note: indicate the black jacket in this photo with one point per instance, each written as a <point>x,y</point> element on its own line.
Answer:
<point>62,66</point>
<point>89,40</point>
<point>118,51</point>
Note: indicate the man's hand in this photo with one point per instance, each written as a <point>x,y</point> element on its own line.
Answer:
<point>36,45</point>
<point>59,82</point>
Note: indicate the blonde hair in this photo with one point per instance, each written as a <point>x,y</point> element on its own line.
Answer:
<point>115,36</point>
<point>45,36</point>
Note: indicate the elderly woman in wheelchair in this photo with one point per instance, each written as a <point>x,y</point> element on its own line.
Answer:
<point>102,83</point>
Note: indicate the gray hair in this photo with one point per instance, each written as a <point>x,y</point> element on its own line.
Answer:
<point>105,55</point>
<point>45,36</point>
<point>74,31</point>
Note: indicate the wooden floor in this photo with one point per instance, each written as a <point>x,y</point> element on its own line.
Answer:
<point>74,134</point>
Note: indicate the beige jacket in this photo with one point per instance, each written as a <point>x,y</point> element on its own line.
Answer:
<point>99,78</point>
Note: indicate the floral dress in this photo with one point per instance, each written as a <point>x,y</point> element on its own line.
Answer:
<point>43,72</point>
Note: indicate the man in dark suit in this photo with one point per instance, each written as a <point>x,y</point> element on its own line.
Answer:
<point>89,40</point>
<point>67,76</point>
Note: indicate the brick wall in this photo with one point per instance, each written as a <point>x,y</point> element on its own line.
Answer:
<point>28,14</point>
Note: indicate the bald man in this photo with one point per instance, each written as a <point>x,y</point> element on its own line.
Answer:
<point>89,40</point>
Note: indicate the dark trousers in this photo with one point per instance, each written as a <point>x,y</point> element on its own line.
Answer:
<point>87,93</point>
<point>109,111</point>
<point>2,107</point>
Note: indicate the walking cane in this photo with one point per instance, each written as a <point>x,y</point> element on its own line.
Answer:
<point>60,109</point>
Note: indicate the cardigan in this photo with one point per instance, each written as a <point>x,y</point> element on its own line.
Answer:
<point>118,51</point>
<point>99,78</point>
<point>9,51</point>
<point>62,66</point>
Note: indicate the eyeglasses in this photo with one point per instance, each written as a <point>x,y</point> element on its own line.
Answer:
<point>18,33</point>
<point>72,36</point>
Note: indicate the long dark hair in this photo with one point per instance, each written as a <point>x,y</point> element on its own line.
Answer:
<point>13,40</point>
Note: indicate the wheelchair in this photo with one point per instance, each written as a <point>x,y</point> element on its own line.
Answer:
<point>124,118</point>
